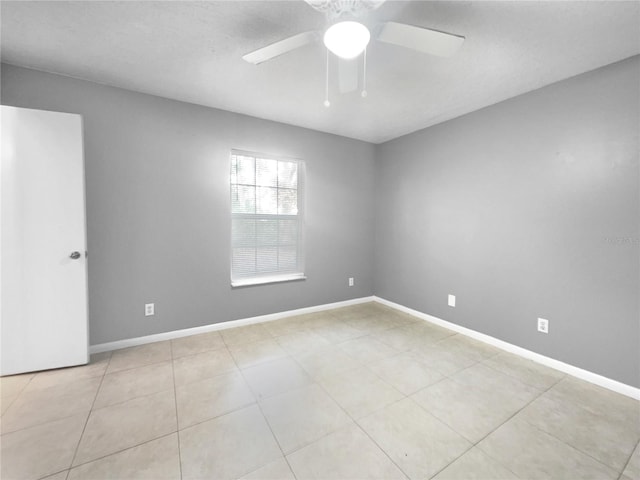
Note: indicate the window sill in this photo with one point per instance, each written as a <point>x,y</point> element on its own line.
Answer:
<point>266,280</point>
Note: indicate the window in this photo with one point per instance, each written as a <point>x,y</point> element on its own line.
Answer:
<point>266,219</point>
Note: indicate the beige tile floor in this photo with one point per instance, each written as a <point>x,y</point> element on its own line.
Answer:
<point>352,393</point>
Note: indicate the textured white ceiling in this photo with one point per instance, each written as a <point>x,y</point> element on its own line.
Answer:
<point>192,51</point>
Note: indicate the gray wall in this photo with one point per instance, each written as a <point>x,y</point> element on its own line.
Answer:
<point>525,209</point>
<point>157,174</point>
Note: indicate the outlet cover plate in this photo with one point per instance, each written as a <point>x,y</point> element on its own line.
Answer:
<point>543,325</point>
<point>149,309</point>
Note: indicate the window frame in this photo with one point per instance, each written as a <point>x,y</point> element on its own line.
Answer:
<point>270,277</point>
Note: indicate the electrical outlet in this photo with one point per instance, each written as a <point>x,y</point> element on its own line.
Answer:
<point>543,325</point>
<point>351,282</point>
<point>149,309</point>
<point>452,300</point>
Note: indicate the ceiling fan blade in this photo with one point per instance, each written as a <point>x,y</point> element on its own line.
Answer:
<point>279,48</point>
<point>347,75</point>
<point>421,39</point>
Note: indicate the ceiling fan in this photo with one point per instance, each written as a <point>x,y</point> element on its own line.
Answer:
<point>348,38</point>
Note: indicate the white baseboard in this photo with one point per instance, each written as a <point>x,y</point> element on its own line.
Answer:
<point>580,373</point>
<point>158,337</point>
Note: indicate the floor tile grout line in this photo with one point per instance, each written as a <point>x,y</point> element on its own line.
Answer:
<point>128,369</point>
<point>86,422</point>
<point>145,395</point>
<point>624,468</point>
<point>266,420</point>
<point>266,362</point>
<point>476,444</point>
<point>578,404</point>
<point>410,352</point>
<point>542,392</point>
<point>26,385</point>
<point>316,382</point>
<point>404,397</point>
<point>385,381</point>
<point>558,380</point>
<point>41,424</point>
<point>122,450</point>
<point>35,391</point>
<point>15,397</point>
<point>175,402</point>
<point>574,447</point>
<point>261,362</point>
<point>64,470</point>
<point>137,367</point>
<point>510,377</point>
<point>355,422</point>
<point>301,447</point>
<point>23,392</point>
<point>471,447</point>
<point>362,429</point>
<point>7,409</point>
<point>226,412</point>
<point>259,324</point>
<point>195,353</point>
<point>137,348</point>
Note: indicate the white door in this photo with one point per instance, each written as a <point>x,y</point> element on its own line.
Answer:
<point>43,283</point>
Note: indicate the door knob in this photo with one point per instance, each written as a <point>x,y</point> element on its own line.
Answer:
<point>74,255</point>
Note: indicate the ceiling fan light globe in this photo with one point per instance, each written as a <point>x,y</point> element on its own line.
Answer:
<point>347,39</point>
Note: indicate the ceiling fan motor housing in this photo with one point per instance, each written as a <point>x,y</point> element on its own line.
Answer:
<point>335,9</point>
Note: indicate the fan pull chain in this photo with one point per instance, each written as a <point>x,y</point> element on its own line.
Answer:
<point>327,103</point>
<point>364,74</point>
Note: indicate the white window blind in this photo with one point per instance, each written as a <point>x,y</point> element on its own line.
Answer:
<point>266,219</point>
